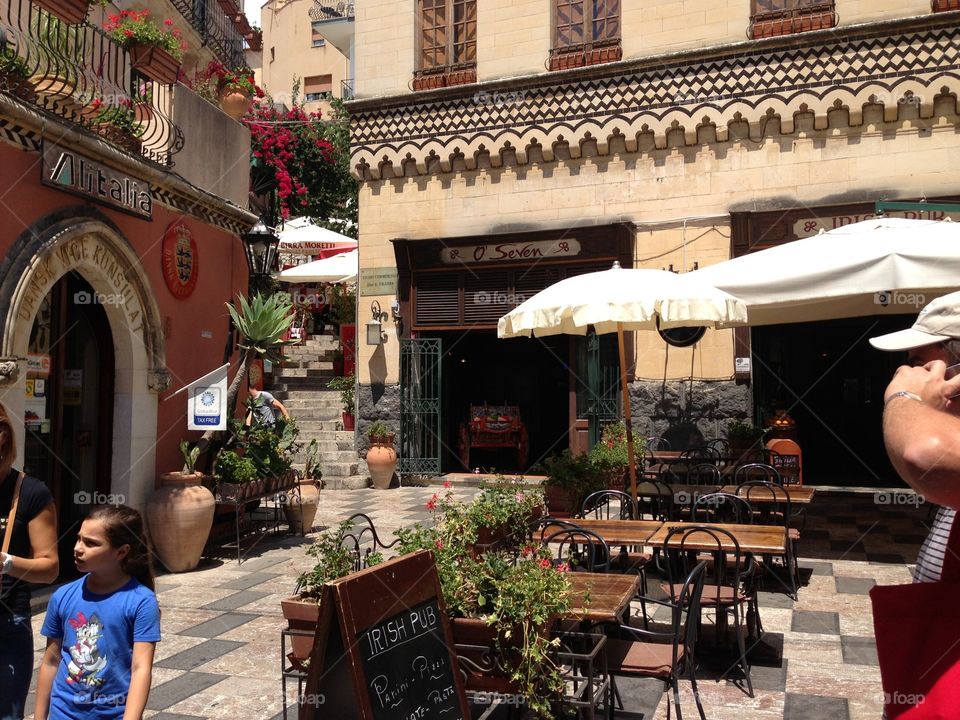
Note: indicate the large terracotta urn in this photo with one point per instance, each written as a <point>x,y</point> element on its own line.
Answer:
<point>382,461</point>
<point>300,510</point>
<point>180,515</point>
<point>234,102</point>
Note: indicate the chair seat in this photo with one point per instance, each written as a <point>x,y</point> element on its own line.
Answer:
<point>711,597</point>
<point>633,657</point>
<point>631,560</point>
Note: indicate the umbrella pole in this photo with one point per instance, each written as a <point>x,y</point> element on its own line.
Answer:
<point>627,419</point>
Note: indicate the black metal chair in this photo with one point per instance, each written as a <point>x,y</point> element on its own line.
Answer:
<point>362,540</point>
<point>721,445</point>
<point>655,501</point>
<point>607,505</point>
<point>756,471</point>
<point>665,655</point>
<point>581,549</point>
<point>656,442</point>
<point>731,587</point>
<point>722,508</point>
<point>771,506</point>
<point>705,473</point>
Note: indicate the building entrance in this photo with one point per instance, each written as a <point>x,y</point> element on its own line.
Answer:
<point>69,404</point>
<point>830,380</point>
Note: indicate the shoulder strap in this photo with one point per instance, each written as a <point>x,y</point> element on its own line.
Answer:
<point>13,513</point>
<point>951,557</point>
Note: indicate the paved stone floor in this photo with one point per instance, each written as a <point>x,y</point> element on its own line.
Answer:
<point>220,655</point>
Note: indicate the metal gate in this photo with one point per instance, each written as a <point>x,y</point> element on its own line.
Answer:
<point>420,375</point>
<point>598,394</point>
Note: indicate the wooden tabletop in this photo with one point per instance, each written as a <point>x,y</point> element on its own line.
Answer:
<point>799,494</point>
<point>758,539</point>
<point>621,532</point>
<point>681,492</point>
<point>606,595</point>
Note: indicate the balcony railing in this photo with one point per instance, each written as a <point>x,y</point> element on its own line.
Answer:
<point>217,29</point>
<point>329,11</point>
<point>79,74</point>
<point>346,89</point>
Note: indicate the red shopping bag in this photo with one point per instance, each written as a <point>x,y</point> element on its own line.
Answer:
<point>917,628</point>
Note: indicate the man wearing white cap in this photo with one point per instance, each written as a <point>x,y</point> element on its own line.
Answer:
<point>921,421</point>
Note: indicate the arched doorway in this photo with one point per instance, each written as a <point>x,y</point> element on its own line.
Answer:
<point>68,413</point>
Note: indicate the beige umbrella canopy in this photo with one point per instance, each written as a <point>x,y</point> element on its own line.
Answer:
<point>617,300</point>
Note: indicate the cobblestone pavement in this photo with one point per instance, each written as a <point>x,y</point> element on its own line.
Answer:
<point>220,654</point>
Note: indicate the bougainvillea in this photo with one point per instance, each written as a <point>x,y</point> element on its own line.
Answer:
<point>293,146</point>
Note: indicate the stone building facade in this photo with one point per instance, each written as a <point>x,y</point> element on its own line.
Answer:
<point>706,130</point>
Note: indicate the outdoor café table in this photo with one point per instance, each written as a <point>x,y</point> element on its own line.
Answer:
<point>798,494</point>
<point>756,539</point>
<point>621,532</point>
<point>609,595</point>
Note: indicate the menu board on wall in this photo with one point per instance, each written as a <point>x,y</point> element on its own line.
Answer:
<point>382,650</point>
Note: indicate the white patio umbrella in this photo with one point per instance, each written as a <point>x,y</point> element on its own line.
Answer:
<point>846,272</point>
<point>617,300</point>
<point>338,268</point>
<point>301,237</point>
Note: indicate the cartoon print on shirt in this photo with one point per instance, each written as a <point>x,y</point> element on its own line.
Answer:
<point>86,659</point>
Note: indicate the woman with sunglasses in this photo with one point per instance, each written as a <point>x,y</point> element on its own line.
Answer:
<point>28,531</point>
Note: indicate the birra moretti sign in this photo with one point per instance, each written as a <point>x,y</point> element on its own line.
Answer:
<point>68,170</point>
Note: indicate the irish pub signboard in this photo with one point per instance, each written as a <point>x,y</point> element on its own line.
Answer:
<point>68,170</point>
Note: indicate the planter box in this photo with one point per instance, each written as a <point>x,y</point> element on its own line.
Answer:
<point>72,12</point>
<point>560,501</point>
<point>945,5</point>
<point>155,62</point>
<point>300,615</point>
<point>480,662</point>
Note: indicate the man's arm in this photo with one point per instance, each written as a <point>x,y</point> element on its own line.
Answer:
<point>283,411</point>
<point>921,430</point>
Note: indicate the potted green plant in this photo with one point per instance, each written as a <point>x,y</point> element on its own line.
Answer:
<point>381,457</point>
<point>155,50</point>
<point>334,557</point>
<point>15,74</point>
<point>338,362</point>
<point>610,458</point>
<point>503,510</point>
<point>501,601</point>
<point>347,387</point>
<point>570,478</point>
<point>118,123</point>
<point>235,88</point>
<point>71,12</point>
<point>744,436</point>
<point>180,514</point>
<point>235,475</point>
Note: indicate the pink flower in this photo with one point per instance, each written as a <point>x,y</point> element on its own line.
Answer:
<point>432,502</point>
<point>447,484</point>
<point>544,563</point>
<point>563,567</point>
<point>168,22</point>
<point>438,544</point>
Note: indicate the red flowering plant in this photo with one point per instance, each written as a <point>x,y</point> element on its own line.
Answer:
<point>518,592</point>
<point>136,26</point>
<point>239,79</point>
<point>120,115</point>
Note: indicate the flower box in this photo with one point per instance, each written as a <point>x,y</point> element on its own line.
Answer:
<point>301,615</point>
<point>72,12</point>
<point>155,62</point>
<point>945,5</point>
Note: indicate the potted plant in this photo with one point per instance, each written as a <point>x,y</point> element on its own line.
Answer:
<point>71,12</point>
<point>118,123</point>
<point>338,362</point>
<point>155,50</point>
<point>300,509</point>
<point>180,514</point>
<point>501,601</point>
<point>235,475</point>
<point>335,557</point>
<point>15,74</point>
<point>236,88</point>
<point>502,511</point>
<point>381,457</point>
<point>570,478</point>
<point>610,458</point>
<point>743,436</point>
<point>346,386</point>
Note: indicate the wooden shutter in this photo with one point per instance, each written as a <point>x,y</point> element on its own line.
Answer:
<point>487,296</point>
<point>433,34</point>
<point>606,20</point>
<point>464,48</point>
<point>437,299</point>
<point>569,23</point>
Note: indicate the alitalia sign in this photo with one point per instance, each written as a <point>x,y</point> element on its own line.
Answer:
<point>72,172</point>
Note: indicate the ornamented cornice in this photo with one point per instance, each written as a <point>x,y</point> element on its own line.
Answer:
<point>832,80</point>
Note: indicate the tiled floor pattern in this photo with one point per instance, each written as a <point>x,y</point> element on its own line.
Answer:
<point>220,654</point>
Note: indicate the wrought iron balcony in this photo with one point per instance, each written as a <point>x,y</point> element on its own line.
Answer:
<point>80,75</point>
<point>217,27</point>
<point>346,89</point>
<point>328,11</point>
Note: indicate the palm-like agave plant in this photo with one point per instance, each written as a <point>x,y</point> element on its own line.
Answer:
<point>262,323</point>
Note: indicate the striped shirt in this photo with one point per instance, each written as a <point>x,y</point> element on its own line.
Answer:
<point>930,560</point>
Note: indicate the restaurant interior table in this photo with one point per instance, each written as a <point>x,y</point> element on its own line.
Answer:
<point>606,596</point>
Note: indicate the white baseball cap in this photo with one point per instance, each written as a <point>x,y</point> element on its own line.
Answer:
<point>938,321</point>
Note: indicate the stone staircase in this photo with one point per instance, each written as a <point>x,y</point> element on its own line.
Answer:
<point>300,383</point>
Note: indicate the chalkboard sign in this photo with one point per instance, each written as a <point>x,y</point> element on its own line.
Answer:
<point>383,648</point>
<point>789,468</point>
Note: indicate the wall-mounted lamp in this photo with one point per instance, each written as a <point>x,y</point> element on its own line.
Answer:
<point>375,334</point>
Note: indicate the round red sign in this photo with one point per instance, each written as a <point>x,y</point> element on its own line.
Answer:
<point>180,259</point>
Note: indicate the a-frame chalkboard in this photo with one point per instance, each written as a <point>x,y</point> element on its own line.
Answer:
<point>384,649</point>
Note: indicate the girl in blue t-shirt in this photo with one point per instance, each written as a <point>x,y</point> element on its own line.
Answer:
<point>102,629</point>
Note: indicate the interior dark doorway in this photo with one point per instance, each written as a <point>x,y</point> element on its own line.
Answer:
<point>531,373</point>
<point>831,381</point>
<point>69,405</point>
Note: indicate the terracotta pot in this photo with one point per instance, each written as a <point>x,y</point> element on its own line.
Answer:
<point>349,421</point>
<point>301,615</point>
<point>155,62</point>
<point>382,461</point>
<point>72,12</point>
<point>301,511</point>
<point>561,502</point>
<point>180,515</point>
<point>234,102</point>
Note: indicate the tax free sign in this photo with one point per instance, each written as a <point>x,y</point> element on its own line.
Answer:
<point>206,401</point>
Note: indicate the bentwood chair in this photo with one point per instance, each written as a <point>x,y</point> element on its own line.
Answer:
<point>730,587</point>
<point>721,507</point>
<point>756,471</point>
<point>616,505</point>
<point>667,654</point>
<point>581,549</point>
<point>771,506</point>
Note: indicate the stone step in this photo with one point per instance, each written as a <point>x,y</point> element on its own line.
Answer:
<point>307,363</point>
<point>315,428</point>
<point>339,469</point>
<point>299,373</point>
<point>351,482</point>
<point>309,401</point>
